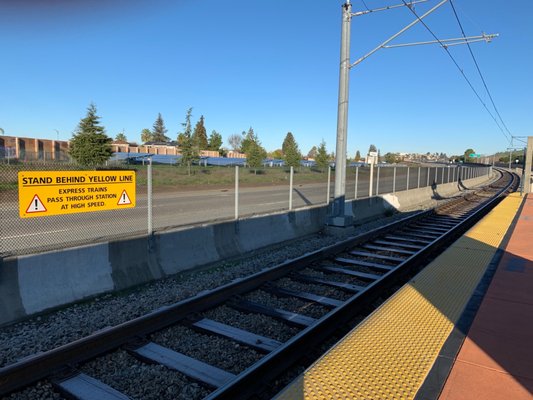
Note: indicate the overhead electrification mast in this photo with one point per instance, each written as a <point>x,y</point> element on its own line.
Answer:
<point>336,214</point>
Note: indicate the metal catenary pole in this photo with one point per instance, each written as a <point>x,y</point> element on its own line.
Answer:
<point>337,216</point>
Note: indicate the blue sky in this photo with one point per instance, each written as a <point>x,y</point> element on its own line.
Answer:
<point>272,65</point>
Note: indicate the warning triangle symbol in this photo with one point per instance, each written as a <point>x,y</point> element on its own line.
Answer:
<point>36,206</point>
<point>124,199</point>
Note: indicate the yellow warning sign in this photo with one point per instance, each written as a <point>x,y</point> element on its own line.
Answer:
<point>43,193</point>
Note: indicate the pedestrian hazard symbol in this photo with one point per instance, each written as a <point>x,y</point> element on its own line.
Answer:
<point>36,205</point>
<point>124,199</point>
<point>45,193</point>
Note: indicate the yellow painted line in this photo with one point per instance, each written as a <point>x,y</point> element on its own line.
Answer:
<point>391,352</point>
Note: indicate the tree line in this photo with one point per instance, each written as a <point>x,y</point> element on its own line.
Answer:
<point>90,145</point>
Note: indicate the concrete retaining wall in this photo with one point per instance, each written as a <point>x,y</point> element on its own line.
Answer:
<point>35,283</point>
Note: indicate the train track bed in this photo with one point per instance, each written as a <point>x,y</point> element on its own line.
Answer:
<point>227,336</point>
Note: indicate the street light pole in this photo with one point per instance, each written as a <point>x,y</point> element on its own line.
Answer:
<point>337,214</point>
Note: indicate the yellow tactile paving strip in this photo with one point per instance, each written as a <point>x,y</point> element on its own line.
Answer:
<point>390,353</point>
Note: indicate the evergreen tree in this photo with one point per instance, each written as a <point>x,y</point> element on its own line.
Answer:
<point>357,156</point>
<point>90,146</point>
<point>372,148</point>
<point>215,141</point>
<point>199,135</point>
<point>189,150</point>
<point>312,153</point>
<point>322,157</point>
<point>235,141</point>
<point>159,131</point>
<point>291,153</point>
<point>248,138</point>
<point>255,155</point>
<point>146,135</point>
<point>251,146</point>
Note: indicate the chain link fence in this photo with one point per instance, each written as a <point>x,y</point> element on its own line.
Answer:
<point>28,235</point>
<point>179,199</point>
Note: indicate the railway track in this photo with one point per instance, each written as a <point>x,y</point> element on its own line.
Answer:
<point>269,319</point>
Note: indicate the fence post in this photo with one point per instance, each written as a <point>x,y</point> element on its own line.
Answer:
<point>290,188</point>
<point>356,181</point>
<point>371,179</point>
<point>394,181</point>
<point>418,187</point>
<point>377,181</point>
<point>448,174</point>
<point>407,185</point>
<point>427,183</point>
<point>436,180</point>
<point>149,197</point>
<point>236,192</point>
<point>329,184</point>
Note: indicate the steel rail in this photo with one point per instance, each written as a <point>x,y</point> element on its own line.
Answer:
<point>256,378</point>
<point>31,369</point>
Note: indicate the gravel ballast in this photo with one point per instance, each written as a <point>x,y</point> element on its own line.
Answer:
<point>57,328</point>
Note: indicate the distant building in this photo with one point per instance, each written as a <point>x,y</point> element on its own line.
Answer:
<point>31,149</point>
<point>171,149</point>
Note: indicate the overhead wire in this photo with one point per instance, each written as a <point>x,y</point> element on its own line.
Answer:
<point>479,70</point>
<point>363,1</point>
<point>458,67</point>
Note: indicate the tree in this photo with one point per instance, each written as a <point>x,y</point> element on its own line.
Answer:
<point>322,157</point>
<point>199,135</point>
<point>255,155</point>
<point>121,137</point>
<point>159,131</point>
<point>276,154</point>
<point>235,141</point>
<point>251,146</point>
<point>391,158</point>
<point>291,152</point>
<point>146,135</point>
<point>467,155</point>
<point>189,150</point>
<point>372,148</point>
<point>90,146</point>
<point>312,153</point>
<point>215,141</point>
<point>247,139</point>
<point>357,156</point>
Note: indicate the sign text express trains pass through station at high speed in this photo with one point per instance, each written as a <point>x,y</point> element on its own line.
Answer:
<point>43,193</point>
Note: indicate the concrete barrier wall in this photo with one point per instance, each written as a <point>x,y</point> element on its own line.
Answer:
<point>35,283</point>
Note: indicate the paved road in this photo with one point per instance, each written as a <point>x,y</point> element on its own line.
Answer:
<point>177,209</point>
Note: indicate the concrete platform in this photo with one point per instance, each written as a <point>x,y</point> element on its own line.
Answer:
<point>496,359</point>
<point>406,348</point>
